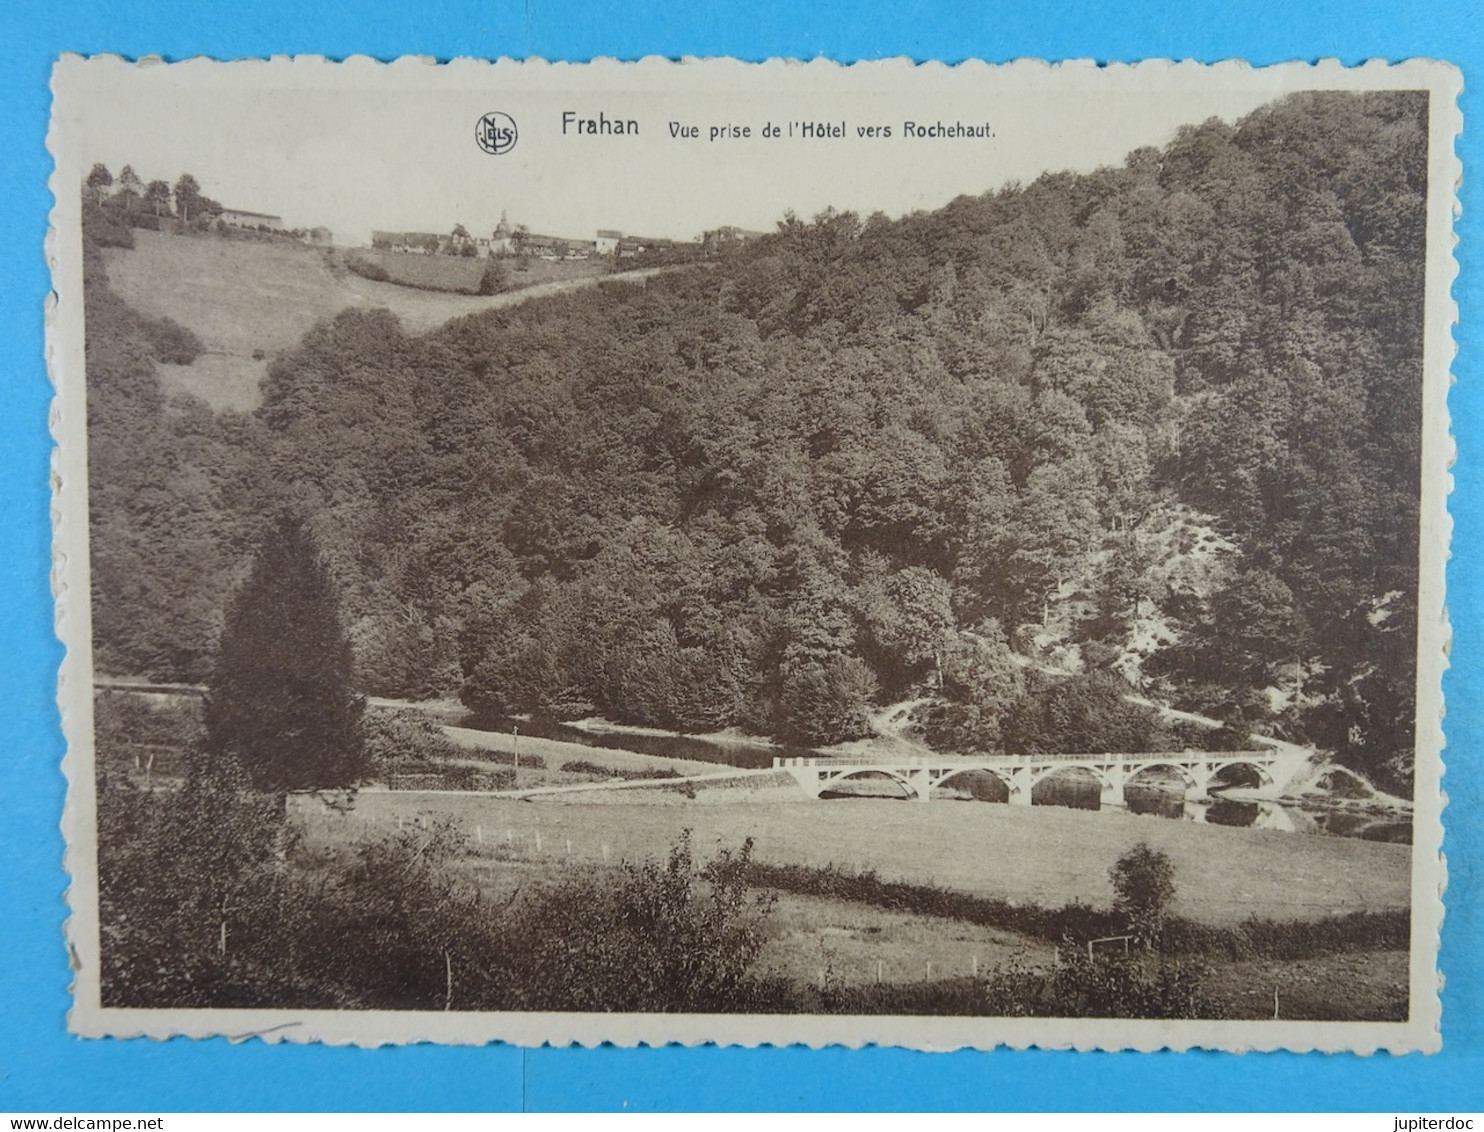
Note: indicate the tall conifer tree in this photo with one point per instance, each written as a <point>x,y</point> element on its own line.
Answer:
<point>283,700</point>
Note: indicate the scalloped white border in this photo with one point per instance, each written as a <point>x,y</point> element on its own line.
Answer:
<point>75,79</point>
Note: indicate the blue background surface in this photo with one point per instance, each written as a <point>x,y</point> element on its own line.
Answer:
<point>42,1068</point>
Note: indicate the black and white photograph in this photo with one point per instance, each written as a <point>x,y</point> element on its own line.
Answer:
<point>707,552</point>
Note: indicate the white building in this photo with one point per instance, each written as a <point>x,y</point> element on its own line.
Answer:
<point>240,218</point>
<point>502,242</point>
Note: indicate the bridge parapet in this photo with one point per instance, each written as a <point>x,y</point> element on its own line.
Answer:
<point>1145,758</point>
<point>847,760</point>
<point>921,773</point>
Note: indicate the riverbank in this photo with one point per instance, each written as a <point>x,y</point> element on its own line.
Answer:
<point>555,753</point>
<point>729,737</point>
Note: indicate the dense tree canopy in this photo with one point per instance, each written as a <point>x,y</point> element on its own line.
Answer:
<point>1157,423</point>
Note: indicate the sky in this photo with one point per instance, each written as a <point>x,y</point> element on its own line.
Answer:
<point>378,147</point>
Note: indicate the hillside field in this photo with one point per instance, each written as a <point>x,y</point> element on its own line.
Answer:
<point>457,273</point>
<point>251,300</point>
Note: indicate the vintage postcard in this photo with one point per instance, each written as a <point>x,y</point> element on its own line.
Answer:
<point>754,553</point>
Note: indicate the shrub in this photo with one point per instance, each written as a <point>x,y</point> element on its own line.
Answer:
<point>1110,985</point>
<point>366,269</point>
<point>122,717</point>
<point>1143,885</point>
<point>399,930</point>
<point>671,937</point>
<point>582,766</point>
<point>1078,921</point>
<point>494,279</point>
<point>103,227</point>
<point>425,776</point>
<point>397,736</point>
<point>169,341</point>
<point>132,731</point>
<point>508,758</point>
<point>1076,986</point>
<point>1279,939</point>
<point>190,888</point>
<point>208,901</point>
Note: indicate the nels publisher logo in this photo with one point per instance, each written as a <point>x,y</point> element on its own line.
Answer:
<point>496,133</point>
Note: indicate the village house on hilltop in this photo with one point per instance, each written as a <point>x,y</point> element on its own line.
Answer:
<point>241,218</point>
<point>509,239</point>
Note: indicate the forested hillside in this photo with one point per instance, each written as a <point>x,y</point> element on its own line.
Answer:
<point>1154,426</point>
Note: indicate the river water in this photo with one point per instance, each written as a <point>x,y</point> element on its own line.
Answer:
<point>1166,801</point>
<point>748,756</point>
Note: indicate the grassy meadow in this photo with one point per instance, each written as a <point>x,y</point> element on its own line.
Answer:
<point>249,300</point>
<point>1223,875</point>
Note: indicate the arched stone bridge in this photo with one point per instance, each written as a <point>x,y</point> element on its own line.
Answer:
<point>1199,770</point>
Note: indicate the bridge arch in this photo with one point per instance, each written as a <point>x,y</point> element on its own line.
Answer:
<point>1094,782</point>
<point>1090,766</point>
<point>1218,766</point>
<point>866,772</point>
<point>1188,779</point>
<point>1002,794</point>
